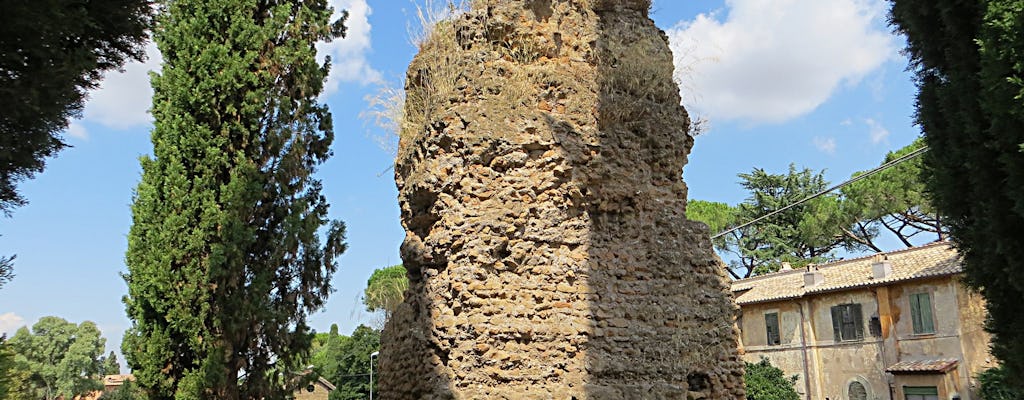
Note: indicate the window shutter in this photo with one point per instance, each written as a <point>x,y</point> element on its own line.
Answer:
<point>771,323</point>
<point>858,321</point>
<point>921,390</point>
<point>925,304</point>
<point>915,312</point>
<point>837,322</point>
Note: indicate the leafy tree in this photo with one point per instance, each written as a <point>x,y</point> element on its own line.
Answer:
<point>718,216</point>
<point>61,358</point>
<point>893,200</point>
<point>966,56</point>
<point>802,234</point>
<point>110,365</point>
<point>7,367</point>
<point>766,382</point>
<point>225,259</point>
<point>327,353</point>
<point>54,52</point>
<point>351,376</point>
<point>385,289</point>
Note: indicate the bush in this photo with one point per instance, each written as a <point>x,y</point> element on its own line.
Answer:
<point>766,382</point>
<point>995,385</point>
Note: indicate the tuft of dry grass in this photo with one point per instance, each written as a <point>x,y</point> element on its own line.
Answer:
<point>386,110</point>
<point>685,75</point>
<point>430,13</point>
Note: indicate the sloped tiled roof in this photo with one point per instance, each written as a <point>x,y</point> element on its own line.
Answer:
<point>327,384</point>
<point>116,380</point>
<point>923,366</point>
<point>937,259</point>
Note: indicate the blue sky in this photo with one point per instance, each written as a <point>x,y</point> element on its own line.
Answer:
<point>817,83</point>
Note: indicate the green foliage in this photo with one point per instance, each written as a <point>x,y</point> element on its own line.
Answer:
<point>970,104</point>
<point>766,382</point>
<point>345,361</point>
<point>60,358</point>
<point>110,365</point>
<point>718,216</point>
<point>7,367</point>
<point>994,384</point>
<point>385,289</point>
<point>227,255</point>
<point>802,234</point>
<point>327,353</point>
<point>54,52</point>
<point>808,232</point>
<point>6,269</point>
<point>894,200</point>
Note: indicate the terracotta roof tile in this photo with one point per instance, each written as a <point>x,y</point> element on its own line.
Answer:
<point>938,259</point>
<point>923,366</point>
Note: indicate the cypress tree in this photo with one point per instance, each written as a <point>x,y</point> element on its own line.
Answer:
<point>227,255</point>
<point>967,58</point>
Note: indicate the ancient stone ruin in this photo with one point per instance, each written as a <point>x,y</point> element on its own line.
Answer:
<point>539,177</point>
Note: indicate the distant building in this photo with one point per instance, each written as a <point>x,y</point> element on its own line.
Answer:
<point>319,389</point>
<point>892,326</point>
<point>112,382</point>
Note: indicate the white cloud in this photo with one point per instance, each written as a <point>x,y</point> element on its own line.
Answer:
<point>76,129</point>
<point>846,122</point>
<point>877,132</point>
<point>774,60</point>
<point>10,323</point>
<point>825,145</point>
<point>348,54</point>
<point>124,98</point>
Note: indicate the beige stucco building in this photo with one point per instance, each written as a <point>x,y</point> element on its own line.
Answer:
<point>892,326</point>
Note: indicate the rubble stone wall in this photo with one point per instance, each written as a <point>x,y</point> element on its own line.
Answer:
<point>549,256</point>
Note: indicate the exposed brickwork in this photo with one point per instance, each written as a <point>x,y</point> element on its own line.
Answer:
<point>539,181</point>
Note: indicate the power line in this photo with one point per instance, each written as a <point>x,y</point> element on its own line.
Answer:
<point>878,169</point>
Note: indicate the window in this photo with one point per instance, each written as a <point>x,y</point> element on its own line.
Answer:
<point>857,391</point>
<point>771,325</point>
<point>875,326</point>
<point>921,393</point>
<point>847,322</point>
<point>921,313</point>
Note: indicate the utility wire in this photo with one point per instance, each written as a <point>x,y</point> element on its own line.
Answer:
<point>876,170</point>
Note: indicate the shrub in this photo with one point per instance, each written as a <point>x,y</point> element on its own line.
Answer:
<point>766,382</point>
<point>995,385</point>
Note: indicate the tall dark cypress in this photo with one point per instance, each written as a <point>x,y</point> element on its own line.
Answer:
<point>967,55</point>
<point>226,255</point>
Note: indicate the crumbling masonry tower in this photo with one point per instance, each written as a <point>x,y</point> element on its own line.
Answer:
<point>539,176</point>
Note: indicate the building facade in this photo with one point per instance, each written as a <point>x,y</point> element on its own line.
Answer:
<point>891,326</point>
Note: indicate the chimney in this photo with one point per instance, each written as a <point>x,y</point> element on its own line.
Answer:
<point>786,266</point>
<point>813,277</point>
<point>881,268</point>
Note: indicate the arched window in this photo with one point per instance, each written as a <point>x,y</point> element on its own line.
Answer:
<point>857,391</point>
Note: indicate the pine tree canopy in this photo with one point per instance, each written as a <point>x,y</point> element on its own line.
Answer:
<point>227,254</point>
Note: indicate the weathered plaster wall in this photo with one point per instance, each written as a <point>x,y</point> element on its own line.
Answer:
<point>974,340</point>
<point>840,363</point>
<point>789,354</point>
<point>547,246</point>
